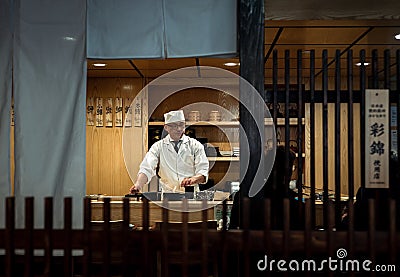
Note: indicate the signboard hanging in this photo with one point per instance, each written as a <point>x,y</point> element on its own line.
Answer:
<point>377,131</point>
<point>109,112</point>
<point>128,112</point>
<point>118,111</point>
<point>99,112</point>
<point>90,112</point>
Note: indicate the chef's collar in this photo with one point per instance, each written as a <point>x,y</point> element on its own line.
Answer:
<point>183,139</point>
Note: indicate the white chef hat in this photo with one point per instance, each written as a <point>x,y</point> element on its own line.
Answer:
<point>174,116</point>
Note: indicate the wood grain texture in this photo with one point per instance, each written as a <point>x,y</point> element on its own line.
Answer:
<point>155,213</point>
<point>105,167</point>
<point>331,152</point>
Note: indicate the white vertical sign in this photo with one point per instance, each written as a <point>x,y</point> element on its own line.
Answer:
<point>90,112</point>
<point>138,112</point>
<point>99,112</point>
<point>377,131</point>
<point>109,112</point>
<point>128,112</point>
<point>118,111</point>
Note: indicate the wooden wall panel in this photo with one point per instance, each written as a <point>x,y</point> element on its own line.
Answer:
<point>331,147</point>
<point>105,167</point>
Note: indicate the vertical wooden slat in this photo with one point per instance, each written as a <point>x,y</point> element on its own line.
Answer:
<point>386,69</point>
<point>362,116</point>
<point>29,223</point>
<point>286,227</point>
<point>350,128</point>
<point>398,104</point>
<point>371,229</point>
<point>68,236</point>
<point>185,238</point>
<point>275,85</point>
<point>392,231</point>
<point>204,239</point>
<point>106,244</point>
<point>48,236</point>
<point>312,137</point>
<point>87,217</point>
<point>350,230</point>
<point>325,134</point>
<point>10,236</point>
<point>225,215</point>
<point>300,130</point>
<point>375,75</point>
<point>329,232</point>
<point>164,231</point>
<point>307,228</point>
<point>287,122</point>
<point>246,234</point>
<point>307,231</point>
<point>275,106</point>
<point>145,233</point>
<point>126,232</point>
<point>338,161</point>
<point>267,224</point>
<point>223,239</point>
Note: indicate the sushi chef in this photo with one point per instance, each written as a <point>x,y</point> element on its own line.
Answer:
<point>181,160</point>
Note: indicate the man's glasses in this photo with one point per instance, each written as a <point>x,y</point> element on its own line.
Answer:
<point>176,126</point>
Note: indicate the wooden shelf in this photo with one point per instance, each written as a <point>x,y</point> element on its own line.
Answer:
<point>223,159</point>
<point>267,121</point>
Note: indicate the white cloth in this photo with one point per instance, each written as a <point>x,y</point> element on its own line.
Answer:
<point>190,160</point>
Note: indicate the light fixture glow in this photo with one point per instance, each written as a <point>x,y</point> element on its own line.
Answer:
<point>99,64</point>
<point>69,38</point>
<point>359,64</point>
<point>231,64</point>
<point>397,36</point>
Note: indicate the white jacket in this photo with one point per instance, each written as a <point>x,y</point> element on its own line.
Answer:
<point>173,167</point>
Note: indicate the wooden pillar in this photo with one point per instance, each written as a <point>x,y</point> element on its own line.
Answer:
<point>251,51</point>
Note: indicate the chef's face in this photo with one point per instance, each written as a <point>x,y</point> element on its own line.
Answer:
<point>175,130</point>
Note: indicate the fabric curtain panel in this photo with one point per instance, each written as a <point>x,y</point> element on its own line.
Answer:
<point>200,28</point>
<point>135,29</point>
<point>49,101</point>
<point>5,102</point>
<point>125,29</point>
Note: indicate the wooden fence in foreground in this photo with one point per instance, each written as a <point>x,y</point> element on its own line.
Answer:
<point>114,248</point>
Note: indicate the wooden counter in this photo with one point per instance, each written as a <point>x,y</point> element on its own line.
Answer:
<point>155,211</point>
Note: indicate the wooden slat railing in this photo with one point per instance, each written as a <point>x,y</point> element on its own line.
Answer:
<point>147,251</point>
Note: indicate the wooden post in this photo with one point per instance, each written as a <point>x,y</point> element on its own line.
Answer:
<point>251,53</point>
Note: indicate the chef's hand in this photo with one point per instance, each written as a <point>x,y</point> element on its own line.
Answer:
<point>190,181</point>
<point>134,189</point>
<point>187,182</point>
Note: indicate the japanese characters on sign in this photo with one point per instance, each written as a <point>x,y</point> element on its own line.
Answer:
<point>377,131</point>
<point>109,112</point>
<point>90,111</point>
<point>99,112</point>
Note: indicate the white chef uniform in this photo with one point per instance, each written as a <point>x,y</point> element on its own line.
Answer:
<point>173,167</point>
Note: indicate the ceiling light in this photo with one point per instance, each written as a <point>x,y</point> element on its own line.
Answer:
<point>359,64</point>
<point>99,64</point>
<point>397,36</point>
<point>69,38</point>
<point>231,64</point>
